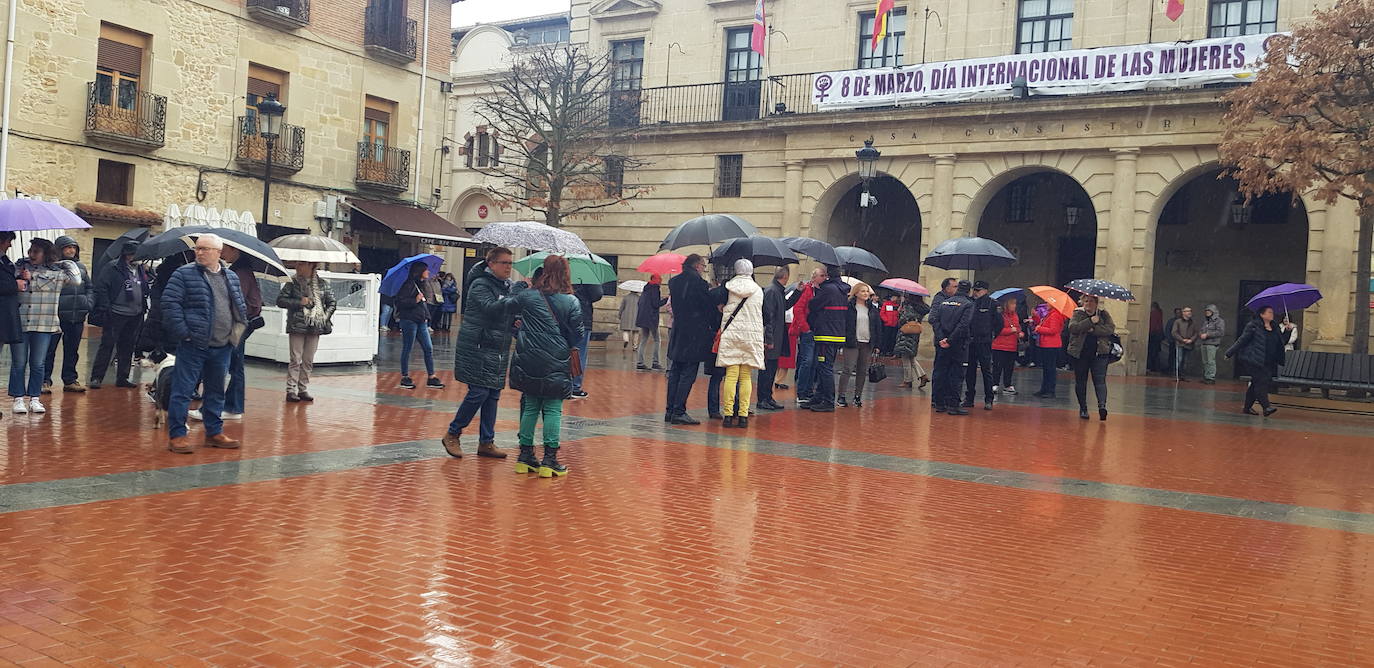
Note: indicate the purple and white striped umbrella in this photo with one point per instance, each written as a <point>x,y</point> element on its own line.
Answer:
<point>33,215</point>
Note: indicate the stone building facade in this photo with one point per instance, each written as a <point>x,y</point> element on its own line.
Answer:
<point>124,107</point>
<point>1122,185</point>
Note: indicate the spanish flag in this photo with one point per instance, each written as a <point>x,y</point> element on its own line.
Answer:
<point>880,19</point>
<point>1174,10</point>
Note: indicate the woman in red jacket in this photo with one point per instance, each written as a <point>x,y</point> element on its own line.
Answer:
<point>1004,347</point>
<point>1049,331</point>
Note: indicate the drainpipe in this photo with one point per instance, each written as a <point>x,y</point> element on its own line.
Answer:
<point>420,130</point>
<point>9,78</point>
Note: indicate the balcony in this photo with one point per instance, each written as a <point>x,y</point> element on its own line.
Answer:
<point>712,102</point>
<point>125,115</point>
<point>284,14</point>
<point>388,37</point>
<point>288,151</point>
<point>383,168</point>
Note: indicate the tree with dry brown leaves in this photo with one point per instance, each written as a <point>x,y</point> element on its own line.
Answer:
<point>559,150</point>
<point>1307,125</point>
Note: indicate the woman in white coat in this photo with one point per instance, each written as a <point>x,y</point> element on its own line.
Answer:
<point>741,343</point>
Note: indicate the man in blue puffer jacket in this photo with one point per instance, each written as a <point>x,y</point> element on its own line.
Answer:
<point>203,311</point>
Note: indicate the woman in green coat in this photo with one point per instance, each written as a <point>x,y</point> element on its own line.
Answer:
<point>309,305</point>
<point>551,326</point>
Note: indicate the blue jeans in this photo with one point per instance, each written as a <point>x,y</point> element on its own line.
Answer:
<point>806,365</point>
<point>717,376</point>
<point>207,366</point>
<point>31,350</point>
<point>233,397</point>
<point>582,355</point>
<point>411,332</point>
<point>478,398</point>
<point>386,315</point>
<point>1049,369</point>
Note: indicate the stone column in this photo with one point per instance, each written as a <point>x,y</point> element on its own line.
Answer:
<point>792,199</point>
<point>1120,239</point>
<point>941,225</point>
<point>1338,224</point>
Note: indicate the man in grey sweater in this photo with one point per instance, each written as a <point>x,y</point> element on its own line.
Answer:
<point>1213,329</point>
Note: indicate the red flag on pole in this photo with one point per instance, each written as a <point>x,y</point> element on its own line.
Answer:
<point>756,40</point>
<point>880,19</point>
<point>1174,10</point>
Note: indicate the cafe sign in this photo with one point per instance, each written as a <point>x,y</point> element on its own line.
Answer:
<point>1107,69</point>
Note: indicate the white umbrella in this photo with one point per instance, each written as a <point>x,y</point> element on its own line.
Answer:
<point>632,286</point>
<point>533,236</point>
<point>311,248</point>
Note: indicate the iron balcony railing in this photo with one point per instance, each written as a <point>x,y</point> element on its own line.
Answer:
<point>382,167</point>
<point>288,149</point>
<point>388,36</point>
<point>124,114</point>
<point>712,102</point>
<point>285,13</point>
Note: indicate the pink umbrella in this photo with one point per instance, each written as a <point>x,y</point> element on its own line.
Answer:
<point>905,285</point>
<point>663,263</point>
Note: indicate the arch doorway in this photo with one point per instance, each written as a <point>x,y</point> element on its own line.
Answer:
<point>1211,247</point>
<point>891,229</point>
<point>1047,221</point>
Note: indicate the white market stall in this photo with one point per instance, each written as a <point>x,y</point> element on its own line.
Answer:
<point>355,334</point>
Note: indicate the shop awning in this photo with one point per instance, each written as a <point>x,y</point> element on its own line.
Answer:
<point>421,224</point>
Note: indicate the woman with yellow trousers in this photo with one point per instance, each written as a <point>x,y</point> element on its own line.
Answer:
<point>741,349</point>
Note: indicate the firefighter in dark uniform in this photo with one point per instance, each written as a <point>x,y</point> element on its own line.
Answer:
<point>949,320</point>
<point>826,315</point>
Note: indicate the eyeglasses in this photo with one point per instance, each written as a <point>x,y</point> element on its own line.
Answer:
<point>203,248</point>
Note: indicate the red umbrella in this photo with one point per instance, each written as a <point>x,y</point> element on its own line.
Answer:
<point>1056,298</point>
<point>663,263</point>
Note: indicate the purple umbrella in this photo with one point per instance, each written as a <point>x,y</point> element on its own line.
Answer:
<point>32,215</point>
<point>1295,296</point>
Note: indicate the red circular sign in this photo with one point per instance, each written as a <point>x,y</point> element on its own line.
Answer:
<point>482,211</point>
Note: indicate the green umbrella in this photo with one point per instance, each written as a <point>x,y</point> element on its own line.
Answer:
<point>586,269</point>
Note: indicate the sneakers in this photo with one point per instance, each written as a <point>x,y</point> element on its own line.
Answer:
<point>579,394</point>
<point>434,383</point>
<point>407,383</point>
<point>1010,389</point>
<point>36,406</point>
<point>657,367</point>
<point>194,414</point>
<point>231,416</point>
<point>996,389</point>
<point>21,406</point>
<point>641,367</point>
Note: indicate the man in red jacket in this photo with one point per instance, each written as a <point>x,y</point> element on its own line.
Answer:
<point>806,341</point>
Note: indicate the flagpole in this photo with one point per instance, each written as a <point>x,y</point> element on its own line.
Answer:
<point>1150,36</point>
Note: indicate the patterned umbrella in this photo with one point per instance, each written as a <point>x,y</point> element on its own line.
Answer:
<point>969,253</point>
<point>1100,288</point>
<point>853,256</point>
<point>708,229</point>
<point>762,251</point>
<point>585,269</point>
<point>534,236</point>
<point>311,248</point>
<point>1295,296</point>
<point>663,263</point>
<point>905,285</point>
<point>1056,298</point>
<point>815,249</point>
<point>32,215</point>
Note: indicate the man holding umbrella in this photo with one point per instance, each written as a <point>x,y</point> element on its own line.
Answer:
<point>482,351</point>
<point>121,299</point>
<point>777,344</point>
<point>950,320</point>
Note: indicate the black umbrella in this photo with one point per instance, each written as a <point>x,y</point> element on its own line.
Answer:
<point>969,253</point>
<point>1101,288</point>
<point>815,249</point>
<point>261,256</point>
<point>853,256</point>
<point>168,243</point>
<point>112,253</point>
<point>708,229</point>
<point>762,251</point>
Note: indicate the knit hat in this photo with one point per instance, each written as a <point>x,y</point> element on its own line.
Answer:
<point>744,267</point>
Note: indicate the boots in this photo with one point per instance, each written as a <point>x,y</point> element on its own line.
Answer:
<point>490,450</point>
<point>729,421</point>
<point>527,462</point>
<point>742,422</point>
<point>549,467</point>
<point>452,445</point>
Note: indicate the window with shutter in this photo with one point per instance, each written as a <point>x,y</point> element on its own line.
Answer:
<point>119,66</point>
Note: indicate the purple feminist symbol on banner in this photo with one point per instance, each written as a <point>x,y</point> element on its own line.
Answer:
<point>823,84</point>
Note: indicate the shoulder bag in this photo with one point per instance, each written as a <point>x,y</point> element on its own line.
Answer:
<point>574,357</point>
<point>715,344</point>
<point>912,327</point>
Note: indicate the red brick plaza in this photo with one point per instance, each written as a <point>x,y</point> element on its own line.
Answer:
<point>1180,532</point>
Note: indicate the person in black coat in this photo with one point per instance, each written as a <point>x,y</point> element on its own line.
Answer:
<point>689,343</point>
<point>983,328</point>
<point>861,341</point>
<point>73,306</point>
<point>950,319</point>
<point>776,342</point>
<point>1260,352</point>
<point>10,286</point>
<point>121,301</point>
<point>586,296</point>
<point>651,301</point>
<point>826,315</point>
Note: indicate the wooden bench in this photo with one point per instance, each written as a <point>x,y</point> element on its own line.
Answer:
<point>1328,371</point>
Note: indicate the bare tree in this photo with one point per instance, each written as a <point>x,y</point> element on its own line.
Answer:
<point>561,134</point>
<point>1307,124</point>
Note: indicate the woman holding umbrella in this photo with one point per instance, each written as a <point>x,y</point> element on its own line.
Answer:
<point>914,310</point>
<point>413,312</point>
<point>309,305</point>
<point>1090,347</point>
<point>1260,350</point>
<point>43,278</point>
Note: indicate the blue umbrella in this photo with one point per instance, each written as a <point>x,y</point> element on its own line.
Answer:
<point>396,276</point>
<point>1007,292</point>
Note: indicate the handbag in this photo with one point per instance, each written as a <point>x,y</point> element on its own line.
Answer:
<point>1118,351</point>
<point>715,343</point>
<point>877,372</point>
<point>912,327</point>
<point>574,358</point>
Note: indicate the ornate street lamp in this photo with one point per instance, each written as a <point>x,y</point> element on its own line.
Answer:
<point>270,113</point>
<point>867,158</point>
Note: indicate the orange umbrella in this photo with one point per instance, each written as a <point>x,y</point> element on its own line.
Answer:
<point>1056,298</point>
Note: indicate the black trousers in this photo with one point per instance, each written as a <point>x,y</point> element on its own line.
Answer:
<point>767,375</point>
<point>116,338</point>
<point>70,338</point>
<point>1096,366</point>
<point>1003,363</point>
<point>948,374</point>
<point>681,377</point>
<point>979,358</point>
<point>1261,384</point>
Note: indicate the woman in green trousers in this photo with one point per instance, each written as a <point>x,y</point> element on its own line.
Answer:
<point>550,327</point>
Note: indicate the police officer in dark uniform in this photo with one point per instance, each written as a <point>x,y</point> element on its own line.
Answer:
<point>826,315</point>
<point>949,320</point>
<point>987,322</point>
